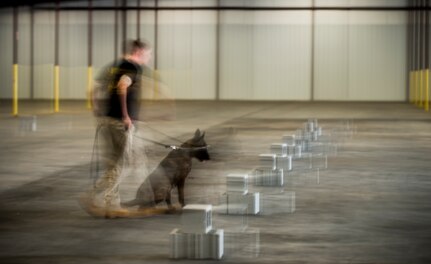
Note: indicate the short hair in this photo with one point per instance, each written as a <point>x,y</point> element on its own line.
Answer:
<point>131,46</point>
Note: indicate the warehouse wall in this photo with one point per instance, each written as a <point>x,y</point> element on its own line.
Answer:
<point>187,53</point>
<point>44,54</point>
<point>263,55</point>
<point>360,55</point>
<point>6,55</point>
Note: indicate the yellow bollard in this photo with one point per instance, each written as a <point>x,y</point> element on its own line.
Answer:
<point>417,88</point>
<point>15,90</point>
<point>414,87</point>
<point>411,86</point>
<point>89,87</point>
<point>421,89</point>
<point>56,88</point>
<point>427,71</point>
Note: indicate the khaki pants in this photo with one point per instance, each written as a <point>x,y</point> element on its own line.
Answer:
<point>116,145</point>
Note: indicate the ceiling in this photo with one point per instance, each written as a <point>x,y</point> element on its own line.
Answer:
<point>11,3</point>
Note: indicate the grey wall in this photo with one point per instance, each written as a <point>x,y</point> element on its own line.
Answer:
<point>360,55</point>
<point>264,55</point>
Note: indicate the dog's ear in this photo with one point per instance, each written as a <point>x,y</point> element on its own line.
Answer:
<point>197,134</point>
<point>203,135</point>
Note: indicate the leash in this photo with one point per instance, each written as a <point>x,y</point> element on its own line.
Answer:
<point>160,132</point>
<point>95,176</point>
<point>156,142</point>
<point>174,147</point>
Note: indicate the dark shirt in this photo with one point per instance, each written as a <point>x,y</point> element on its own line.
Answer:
<point>134,71</point>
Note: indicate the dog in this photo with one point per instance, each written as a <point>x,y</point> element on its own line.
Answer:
<point>170,173</point>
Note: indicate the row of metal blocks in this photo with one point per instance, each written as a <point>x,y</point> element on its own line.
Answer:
<point>307,149</point>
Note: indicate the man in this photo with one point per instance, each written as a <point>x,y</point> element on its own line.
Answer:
<point>116,128</point>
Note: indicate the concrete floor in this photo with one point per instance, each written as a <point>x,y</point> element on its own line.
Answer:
<point>371,205</point>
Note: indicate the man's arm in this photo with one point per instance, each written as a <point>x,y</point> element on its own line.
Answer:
<point>123,85</point>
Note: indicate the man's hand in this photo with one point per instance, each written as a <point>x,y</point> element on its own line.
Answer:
<point>127,122</point>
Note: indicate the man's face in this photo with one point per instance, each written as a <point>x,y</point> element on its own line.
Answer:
<point>145,56</point>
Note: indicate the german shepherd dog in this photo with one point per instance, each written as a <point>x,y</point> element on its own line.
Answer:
<point>171,172</point>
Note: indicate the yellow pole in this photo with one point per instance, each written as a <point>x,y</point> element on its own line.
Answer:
<point>411,86</point>
<point>15,90</point>
<point>427,71</point>
<point>418,86</point>
<point>421,89</point>
<point>89,87</point>
<point>56,88</point>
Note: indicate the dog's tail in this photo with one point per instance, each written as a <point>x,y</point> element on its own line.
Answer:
<point>131,203</point>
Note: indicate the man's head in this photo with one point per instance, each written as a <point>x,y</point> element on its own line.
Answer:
<point>139,51</point>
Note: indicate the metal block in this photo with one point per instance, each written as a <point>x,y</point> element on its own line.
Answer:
<point>242,203</point>
<point>318,148</point>
<point>309,127</point>
<point>284,202</point>
<point>244,243</point>
<point>314,122</point>
<point>197,245</point>
<point>297,151</point>
<point>288,139</point>
<point>319,161</point>
<point>237,183</point>
<point>279,149</point>
<point>268,161</point>
<point>197,218</point>
<point>284,162</point>
<point>290,149</point>
<point>319,131</point>
<point>28,123</point>
<point>268,177</point>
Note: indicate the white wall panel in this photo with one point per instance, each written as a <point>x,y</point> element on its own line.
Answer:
<point>360,56</point>
<point>73,54</point>
<point>6,54</point>
<point>103,39</point>
<point>146,29</point>
<point>187,3</point>
<point>236,55</point>
<point>24,51</point>
<point>44,54</point>
<point>377,64</point>
<point>331,55</point>
<point>186,53</point>
<point>267,3</point>
<point>265,55</point>
<point>132,17</point>
<point>103,35</point>
<point>360,3</point>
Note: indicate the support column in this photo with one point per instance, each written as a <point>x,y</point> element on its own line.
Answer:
<point>15,63</point>
<point>90,55</point>
<point>56,60</point>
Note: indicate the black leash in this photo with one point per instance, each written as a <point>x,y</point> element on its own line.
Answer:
<point>174,147</point>
<point>160,132</point>
<point>96,149</point>
<point>156,142</point>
